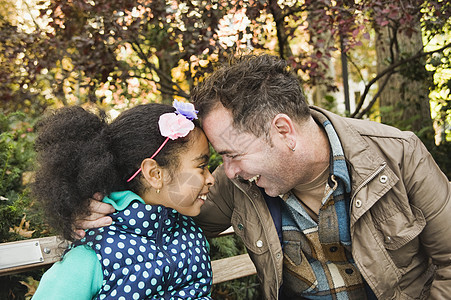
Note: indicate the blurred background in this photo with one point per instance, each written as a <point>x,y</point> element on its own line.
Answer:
<point>388,61</point>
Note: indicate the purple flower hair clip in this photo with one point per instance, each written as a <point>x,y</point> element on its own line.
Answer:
<point>186,109</point>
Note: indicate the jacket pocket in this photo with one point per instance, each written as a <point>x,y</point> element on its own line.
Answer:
<point>250,232</point>
<point>400,234</point>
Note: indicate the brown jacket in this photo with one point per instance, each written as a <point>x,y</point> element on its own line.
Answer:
<point>400,215</point>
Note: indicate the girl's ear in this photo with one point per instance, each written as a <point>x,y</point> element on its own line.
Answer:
<point>152,172</point>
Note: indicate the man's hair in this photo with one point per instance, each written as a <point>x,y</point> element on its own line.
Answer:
<point>255,88</point>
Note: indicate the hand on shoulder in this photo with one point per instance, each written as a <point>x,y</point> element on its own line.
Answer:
<point>98,217</point>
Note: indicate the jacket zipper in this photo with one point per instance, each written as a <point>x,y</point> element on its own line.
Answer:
<point>163,217</point>
<point>365,182</point>
<point>266,237</point>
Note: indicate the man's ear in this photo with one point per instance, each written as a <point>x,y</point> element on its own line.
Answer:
<point>283,126</point>
<point>152,173</point>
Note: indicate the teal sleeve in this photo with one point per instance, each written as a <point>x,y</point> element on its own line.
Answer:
<point>78,276</point>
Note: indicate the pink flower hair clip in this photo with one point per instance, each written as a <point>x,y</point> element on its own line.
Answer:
<point>174,125</point>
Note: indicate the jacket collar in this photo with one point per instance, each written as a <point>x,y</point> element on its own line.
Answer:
<point>134,216</point>
<point>364,165</point>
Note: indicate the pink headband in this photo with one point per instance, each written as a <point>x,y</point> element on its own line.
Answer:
<point>174,125</point>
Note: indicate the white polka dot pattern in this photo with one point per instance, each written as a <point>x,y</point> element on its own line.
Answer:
<point>151,252</point>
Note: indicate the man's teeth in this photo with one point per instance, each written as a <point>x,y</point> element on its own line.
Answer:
<point>255,178</point>
<point>203,197</point>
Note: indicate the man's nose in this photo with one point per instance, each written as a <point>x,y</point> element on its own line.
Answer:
<point>230,168</point>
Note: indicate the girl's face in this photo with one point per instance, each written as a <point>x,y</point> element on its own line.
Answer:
<point>186,190</point>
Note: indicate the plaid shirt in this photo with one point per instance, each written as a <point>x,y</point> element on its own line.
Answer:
<point>317,255</point>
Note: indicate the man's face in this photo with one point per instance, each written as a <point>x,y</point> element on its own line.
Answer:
<point>246,156</point>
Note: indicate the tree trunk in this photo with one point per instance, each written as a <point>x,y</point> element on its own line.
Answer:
<point>405,100</point>
<point>166,83</point>
<point>320,94</point>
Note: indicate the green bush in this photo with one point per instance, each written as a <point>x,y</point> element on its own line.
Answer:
<point>19,219</point>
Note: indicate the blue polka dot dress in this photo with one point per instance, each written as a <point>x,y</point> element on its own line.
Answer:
<point>150,252</point>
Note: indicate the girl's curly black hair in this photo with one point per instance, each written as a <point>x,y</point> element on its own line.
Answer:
<point>80,154</point>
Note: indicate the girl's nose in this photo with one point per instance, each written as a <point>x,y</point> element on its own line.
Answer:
<point>210,180</point>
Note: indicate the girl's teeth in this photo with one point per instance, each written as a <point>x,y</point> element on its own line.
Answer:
<point>203,197</point>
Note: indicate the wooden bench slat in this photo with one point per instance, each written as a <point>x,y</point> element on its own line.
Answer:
<point>234,267</point>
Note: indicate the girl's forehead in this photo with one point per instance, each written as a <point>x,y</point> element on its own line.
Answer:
<point>198,146</point>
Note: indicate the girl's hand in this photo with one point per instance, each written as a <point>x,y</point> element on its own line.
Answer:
<point>98,217</point>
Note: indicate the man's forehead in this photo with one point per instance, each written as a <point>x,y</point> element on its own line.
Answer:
<point>225,138</point>
<point>219,112</point>
<point>217,123</point>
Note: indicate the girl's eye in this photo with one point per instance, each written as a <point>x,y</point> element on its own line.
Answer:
<point>203,167</point>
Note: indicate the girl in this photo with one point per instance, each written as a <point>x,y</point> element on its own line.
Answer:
<point>151,161</point>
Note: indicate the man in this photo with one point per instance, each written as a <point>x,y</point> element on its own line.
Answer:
<point>328,207</point>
